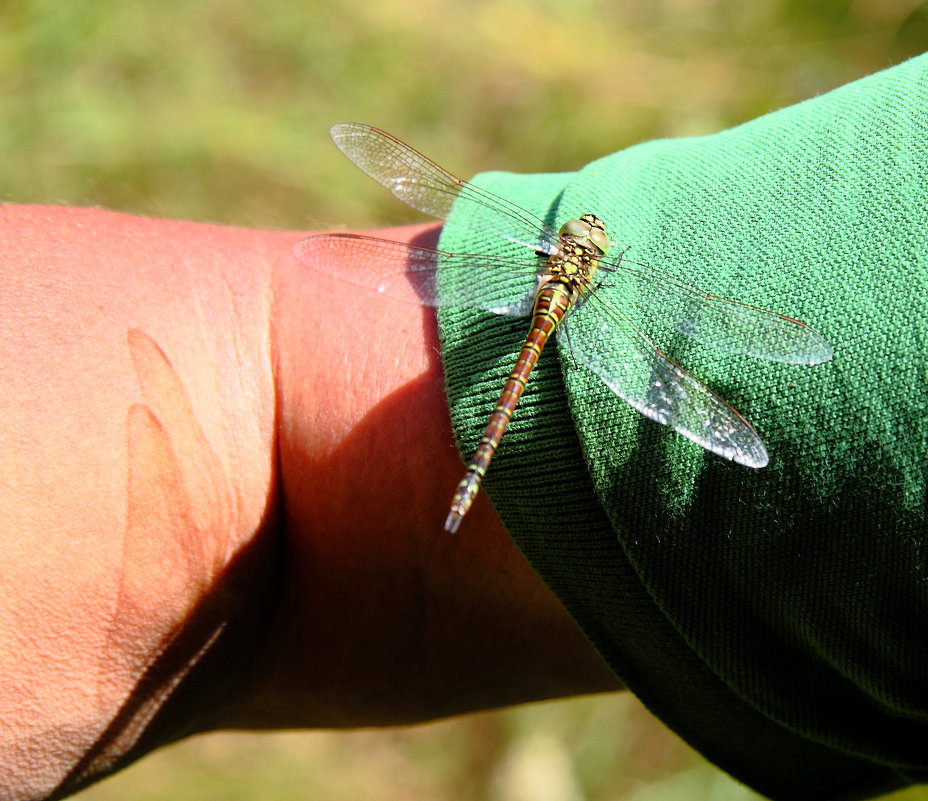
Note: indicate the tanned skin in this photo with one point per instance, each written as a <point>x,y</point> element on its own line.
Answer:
<point>224,478</point>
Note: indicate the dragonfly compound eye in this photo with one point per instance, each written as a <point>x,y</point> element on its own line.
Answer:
<point>599,239</point>
<point>575,228</point>
<point>588,228</point>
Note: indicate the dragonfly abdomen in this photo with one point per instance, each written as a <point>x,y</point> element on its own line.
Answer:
<point>551,304</point>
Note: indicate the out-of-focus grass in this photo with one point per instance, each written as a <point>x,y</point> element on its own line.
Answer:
<point>219,111</point>
<point>565,751</point>
<point>602,748</point>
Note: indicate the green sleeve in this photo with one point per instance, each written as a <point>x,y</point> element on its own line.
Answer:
<point>774,618</point>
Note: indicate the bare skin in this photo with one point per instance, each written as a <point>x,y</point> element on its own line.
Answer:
<point>224,482</point>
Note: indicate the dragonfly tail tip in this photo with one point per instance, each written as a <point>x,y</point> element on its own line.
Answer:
<point>453,521</point>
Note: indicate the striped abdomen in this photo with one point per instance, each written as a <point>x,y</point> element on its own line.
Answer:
<point>551,304</point>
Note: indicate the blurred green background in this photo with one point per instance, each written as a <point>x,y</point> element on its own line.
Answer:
<point>219,111</point>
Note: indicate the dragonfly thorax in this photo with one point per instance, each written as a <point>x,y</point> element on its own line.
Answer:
<point>582,242</point>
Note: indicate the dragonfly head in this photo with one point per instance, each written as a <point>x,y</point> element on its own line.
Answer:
<point>589,228</point>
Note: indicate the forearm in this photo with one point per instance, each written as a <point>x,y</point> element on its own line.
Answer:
<point>388,619</point>
<point>208,452</point>
<point>138,414</point>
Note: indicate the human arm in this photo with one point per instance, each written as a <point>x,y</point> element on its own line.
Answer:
<point>791,597</point>
<point>181,463</point>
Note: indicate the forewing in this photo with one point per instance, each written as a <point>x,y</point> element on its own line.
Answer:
<point>422,275</point>
<point>604,340</point>
<point>421,183</point>
<point>726,325</point>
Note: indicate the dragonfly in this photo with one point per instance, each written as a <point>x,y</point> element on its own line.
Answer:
<point>557,283</point>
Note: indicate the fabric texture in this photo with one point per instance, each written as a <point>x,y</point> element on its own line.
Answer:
<point>773,618</point>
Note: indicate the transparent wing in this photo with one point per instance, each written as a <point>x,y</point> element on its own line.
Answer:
<point>727,325</point>
<point>604,340</point>
<point>424,276</point>
<point>421,183</point>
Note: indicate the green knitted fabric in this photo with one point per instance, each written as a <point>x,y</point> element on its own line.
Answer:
<point>774,618</point>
